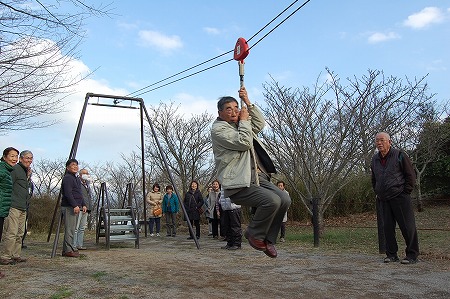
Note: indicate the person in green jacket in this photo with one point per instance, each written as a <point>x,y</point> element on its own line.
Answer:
<point>8,160</point>
<point>16,220</point>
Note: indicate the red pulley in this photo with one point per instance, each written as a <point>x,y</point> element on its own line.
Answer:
<point>241,49</point>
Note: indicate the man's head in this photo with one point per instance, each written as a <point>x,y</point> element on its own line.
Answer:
<point>281,185</point>
<point>383,143</point>
<point>84,175</point>
<point>26,158</point>
<point>72,166</point>
<point>228,109</point>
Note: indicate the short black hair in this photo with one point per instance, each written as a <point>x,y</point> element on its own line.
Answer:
<point>281,182</point>
<point>156,185</point>
<point>224,100</point>
<point>8,149</point>
<point>73,160</point>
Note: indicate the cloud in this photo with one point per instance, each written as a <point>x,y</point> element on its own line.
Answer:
<point>379,37</point>
<point>343,34</point>
<point>106,131</point>
<point>436,65</point>
<point>211,30</point>
<point>74,100</point>
<point>426,17</point>
<point>159,41</point>
<point>102,115</point>
<point>327,78</point>
<point>127,26</point>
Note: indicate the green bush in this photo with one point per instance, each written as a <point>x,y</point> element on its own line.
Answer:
<point>356,197</point>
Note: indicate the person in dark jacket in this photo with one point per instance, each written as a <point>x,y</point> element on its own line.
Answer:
<point>9,159</point>
<point>72,204</point>
<point>231,219</point>
<point>393,180</point>
<point>16,220</point>
<point>193,201</point>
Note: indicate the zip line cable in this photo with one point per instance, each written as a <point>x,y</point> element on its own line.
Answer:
<point>278,25</point>
<point>137,94</point>
<point>259,31</point>
<point>179,73</point>
<point>179,79</point>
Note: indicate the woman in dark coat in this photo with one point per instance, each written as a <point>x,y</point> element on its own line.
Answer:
<point>8,160</point>
<point>193,201</point>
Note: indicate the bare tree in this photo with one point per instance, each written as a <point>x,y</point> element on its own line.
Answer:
<point>47,176</point>
<point>318,151</point>
<point>118,175</point>
<point>383,103</point>
<point>322,137</point>
<point>186,144</point>
<point>38,43</point>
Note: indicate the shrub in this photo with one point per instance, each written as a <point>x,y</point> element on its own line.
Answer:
<point>40,213</point>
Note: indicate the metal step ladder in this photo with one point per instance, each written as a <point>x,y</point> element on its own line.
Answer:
<point>116,225</point>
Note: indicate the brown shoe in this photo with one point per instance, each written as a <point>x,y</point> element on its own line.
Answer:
<point>2,275</point>
<point>270,250</point>
<point>71,254</point>
<point>19,259</point>
<point>7,262</point>
<point>255,243</point>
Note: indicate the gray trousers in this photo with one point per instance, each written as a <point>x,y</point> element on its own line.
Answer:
<point>78,237</point>
<point>270,202</point>
<point>70,223</point>
<point>171,224</point>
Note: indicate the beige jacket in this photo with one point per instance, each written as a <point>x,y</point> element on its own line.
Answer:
<point>153,199</point>
<point>234,152</point>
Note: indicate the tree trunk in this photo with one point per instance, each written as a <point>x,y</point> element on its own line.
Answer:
<point>419,195</point>
<point>317,220</point>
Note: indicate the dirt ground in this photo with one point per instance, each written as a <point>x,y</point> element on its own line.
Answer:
<point>166,267</point>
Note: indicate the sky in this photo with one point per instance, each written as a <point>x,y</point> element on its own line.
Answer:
<point>143,42</point>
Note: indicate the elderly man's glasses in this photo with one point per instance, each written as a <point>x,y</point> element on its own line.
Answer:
<point>230,110</point>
